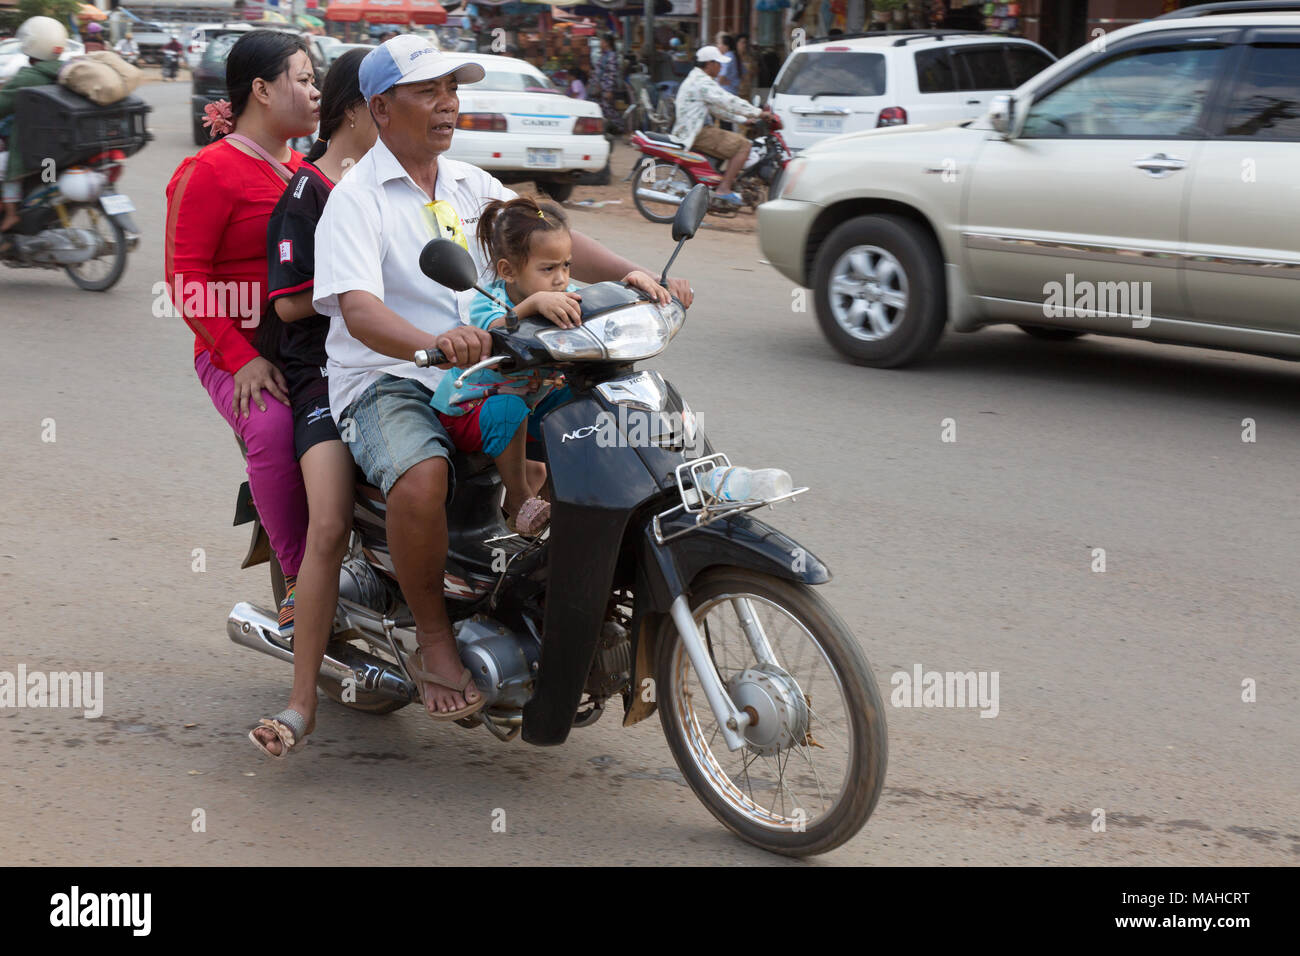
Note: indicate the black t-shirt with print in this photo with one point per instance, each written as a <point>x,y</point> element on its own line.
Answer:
<point>291,260</point>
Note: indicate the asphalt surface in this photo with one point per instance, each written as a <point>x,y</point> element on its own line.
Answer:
<point>1119,691</point>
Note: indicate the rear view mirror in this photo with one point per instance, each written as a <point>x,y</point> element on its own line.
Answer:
<point>446,263</point>
<point>690,213</point>
<point>1002,114</point>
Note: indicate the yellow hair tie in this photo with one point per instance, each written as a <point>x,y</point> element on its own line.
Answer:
<point>541,214</point>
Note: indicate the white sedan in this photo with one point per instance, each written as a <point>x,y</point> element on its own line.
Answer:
<point>520,126</point>
<point>12,59</point>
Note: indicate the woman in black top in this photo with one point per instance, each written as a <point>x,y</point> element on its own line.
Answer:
<point>294,338</point>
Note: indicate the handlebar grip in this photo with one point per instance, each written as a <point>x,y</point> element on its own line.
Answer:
<point>426,358</point>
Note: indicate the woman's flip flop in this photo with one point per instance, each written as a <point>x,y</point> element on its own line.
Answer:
<point>423,676</point>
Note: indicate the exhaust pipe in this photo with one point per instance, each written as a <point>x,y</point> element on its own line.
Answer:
<point>657,196</point>
<point>251,627</point>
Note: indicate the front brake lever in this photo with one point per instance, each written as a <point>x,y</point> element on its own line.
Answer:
<point>486,363</point>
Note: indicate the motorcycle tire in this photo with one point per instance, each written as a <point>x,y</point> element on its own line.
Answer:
<point>658,211</point>
<point>864,775</point>
<point>118,263</point>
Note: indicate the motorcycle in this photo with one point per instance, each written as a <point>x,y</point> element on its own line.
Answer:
<point>667,171</point>
<point>646,589</point>
<point>171,64</point>
<point>648,108</point>
<point>80,223</point>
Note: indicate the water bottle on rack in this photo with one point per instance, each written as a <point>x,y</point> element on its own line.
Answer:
<point>745,484</point>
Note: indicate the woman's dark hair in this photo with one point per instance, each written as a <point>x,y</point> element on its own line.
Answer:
<point>506,227</point>
<point>341,90</point>
<point>258,55</point>
<point>580,74</point>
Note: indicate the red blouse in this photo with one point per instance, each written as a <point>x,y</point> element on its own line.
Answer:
<point>218,204</point>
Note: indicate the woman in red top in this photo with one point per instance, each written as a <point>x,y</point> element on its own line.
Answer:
<point>218,205</point>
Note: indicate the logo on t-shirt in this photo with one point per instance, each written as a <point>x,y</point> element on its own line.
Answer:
<point>297,190</point>
<point>286,250</point>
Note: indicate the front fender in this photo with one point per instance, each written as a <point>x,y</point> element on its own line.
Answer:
<point>667,570</point>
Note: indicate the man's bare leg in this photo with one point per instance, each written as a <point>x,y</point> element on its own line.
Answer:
<point>417,540</point>
<point>734,166</point>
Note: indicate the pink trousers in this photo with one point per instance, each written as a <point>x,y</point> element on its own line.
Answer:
<point>273,473</point>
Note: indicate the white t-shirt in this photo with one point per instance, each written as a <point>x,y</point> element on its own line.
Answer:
<point>369,239</point>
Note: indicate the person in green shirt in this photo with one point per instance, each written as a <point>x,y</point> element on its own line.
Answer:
<point>43,40</point>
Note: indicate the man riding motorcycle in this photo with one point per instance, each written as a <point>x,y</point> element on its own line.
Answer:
<point>43,40</point>
<point>701,99</point>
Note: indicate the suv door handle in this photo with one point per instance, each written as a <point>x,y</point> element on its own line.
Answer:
<point>974,102</point>
<point>1159,165</point>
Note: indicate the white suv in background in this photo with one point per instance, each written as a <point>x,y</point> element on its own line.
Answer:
<point>898,78</point>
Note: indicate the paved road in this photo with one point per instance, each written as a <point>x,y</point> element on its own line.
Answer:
<point>1119,690</point>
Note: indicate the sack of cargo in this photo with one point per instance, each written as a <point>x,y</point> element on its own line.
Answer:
<point>96,81</point>
<point>131,75</point>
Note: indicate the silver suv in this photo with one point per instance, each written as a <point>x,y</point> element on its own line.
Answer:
<point>1143,186</point>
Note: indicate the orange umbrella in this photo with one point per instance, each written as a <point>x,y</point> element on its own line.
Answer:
<point>89,12</point>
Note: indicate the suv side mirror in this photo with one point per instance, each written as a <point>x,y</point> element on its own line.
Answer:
<point>1002,114</point>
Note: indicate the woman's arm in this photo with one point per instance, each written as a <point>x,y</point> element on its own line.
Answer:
<point>291,308</point>
<point>198,208</point>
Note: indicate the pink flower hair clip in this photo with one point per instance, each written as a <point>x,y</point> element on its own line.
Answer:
<point>218,118</point>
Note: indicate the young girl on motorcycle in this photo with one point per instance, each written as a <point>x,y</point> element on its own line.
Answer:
<point>294,338</point>
<point>530,251</point>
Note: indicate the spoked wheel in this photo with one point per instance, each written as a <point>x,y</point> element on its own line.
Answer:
<point>655,187</point>
<point>814,761</point>
<point>102,272</point>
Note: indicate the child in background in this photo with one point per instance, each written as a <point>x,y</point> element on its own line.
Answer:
<point>530,249</point>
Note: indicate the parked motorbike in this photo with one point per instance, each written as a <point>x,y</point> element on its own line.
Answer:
<point>667,171</point>
<point>171,64</point>
<point>647,107</point>
<point>646,589</point>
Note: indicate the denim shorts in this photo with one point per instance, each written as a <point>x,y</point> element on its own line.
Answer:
<point>394,429</point>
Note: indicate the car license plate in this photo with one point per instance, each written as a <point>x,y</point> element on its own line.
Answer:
<point>821,124</point>
<point>115,204</point>
<point>543,158</point>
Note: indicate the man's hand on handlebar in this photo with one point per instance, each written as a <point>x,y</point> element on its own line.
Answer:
<point>463,346</point>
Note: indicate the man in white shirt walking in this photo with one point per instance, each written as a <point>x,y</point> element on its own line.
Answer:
<point>699,101</point>
<point>383,309</point>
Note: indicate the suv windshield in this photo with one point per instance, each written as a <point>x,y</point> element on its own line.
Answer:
<point>833,74</point>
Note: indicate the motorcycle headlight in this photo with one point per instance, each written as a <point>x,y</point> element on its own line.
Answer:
<point>632,333</point>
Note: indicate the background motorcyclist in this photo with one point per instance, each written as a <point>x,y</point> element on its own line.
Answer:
<point>94,38</point>
<point>700,100</point>
<point>43,40</point>
<point>171,51</point>
<point>127,48</point>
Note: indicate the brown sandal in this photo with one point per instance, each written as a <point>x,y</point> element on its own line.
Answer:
<point>466,678</point>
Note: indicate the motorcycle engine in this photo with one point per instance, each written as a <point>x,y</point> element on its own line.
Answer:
<point>503,662</point>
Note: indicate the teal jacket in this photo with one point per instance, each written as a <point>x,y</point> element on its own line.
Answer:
<point>40,73</point>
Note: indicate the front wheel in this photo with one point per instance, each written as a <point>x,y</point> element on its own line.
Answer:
<point>658,188</point>
<point>102,272</point>
<point>878,287</point>
<point>814,761</point>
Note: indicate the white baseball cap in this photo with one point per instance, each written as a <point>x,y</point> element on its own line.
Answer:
<point>711,54</point>
<point>410,59</point>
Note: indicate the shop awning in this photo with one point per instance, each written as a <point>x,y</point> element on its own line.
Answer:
<point>386,11</point>
<point>426,12</point>
<point>344,11</point>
